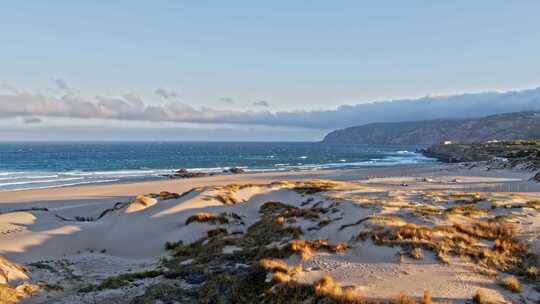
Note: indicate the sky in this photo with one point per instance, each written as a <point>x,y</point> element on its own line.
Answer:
<point>253,70</point>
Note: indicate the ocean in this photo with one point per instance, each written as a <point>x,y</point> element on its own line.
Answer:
<point>49,165</point>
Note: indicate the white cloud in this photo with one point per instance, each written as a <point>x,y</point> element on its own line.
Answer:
<point>132,108</point>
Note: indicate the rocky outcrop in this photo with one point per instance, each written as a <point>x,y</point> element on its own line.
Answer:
<point>511,126</point>
<point>234,170</point>
<point>455,153</point>
<point>184,173</point>
<point>519,154</point>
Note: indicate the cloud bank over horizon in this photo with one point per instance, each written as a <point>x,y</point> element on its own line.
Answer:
<point>33,108</point>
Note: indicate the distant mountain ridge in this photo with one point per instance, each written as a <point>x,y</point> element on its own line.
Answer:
<point>509,126</point>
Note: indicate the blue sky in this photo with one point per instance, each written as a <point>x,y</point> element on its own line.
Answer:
<point>295,55</point>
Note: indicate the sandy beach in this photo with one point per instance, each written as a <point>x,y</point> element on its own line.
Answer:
<point>56,242</point>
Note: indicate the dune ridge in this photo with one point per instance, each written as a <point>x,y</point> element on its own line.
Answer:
<point>407,238</point>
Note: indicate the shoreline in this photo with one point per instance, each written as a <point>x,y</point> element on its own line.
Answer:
<point>125,190</point>
<point>173,174</point>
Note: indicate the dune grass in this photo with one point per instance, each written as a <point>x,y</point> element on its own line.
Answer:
<point>480,297</point>
<point>532,272</point>
<point>511,283</point>
<point>313,186</point>
<point>210,218</point>
<point>461,240</point>
<point>533,204</point>
<point>306,248</point>
<point>122,280</point>
<point>265,277</point>
<point>288,211</point>
<point>8,295</point>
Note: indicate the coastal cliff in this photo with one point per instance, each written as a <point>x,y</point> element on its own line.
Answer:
<point>520,154</point>
<point>510,126</point>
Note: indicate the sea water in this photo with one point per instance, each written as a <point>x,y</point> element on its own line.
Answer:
<point>47,165</point>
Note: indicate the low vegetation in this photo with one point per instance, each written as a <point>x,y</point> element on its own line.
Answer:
<point>204,217</point>
<point>8,295</point>
<point>306,248</point>
<point>480,297</point>
<point>288,211</point>
<point>533,204</point>
<point>261,266</point>
<point>166,195</point>
<point>462,240</point>
<point>532,272</point>
<point>122,280</point>
<point>511,283</point>
<point>313,187</point>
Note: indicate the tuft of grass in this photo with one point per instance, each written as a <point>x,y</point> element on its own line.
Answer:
<point>313,187</point>
<point>216,232</point>
<point>288,211</point>
<point>276,207</point>
<point>426,299</point>
<point>166,195</point>
<point>204,217</point>
<point>226,199</point>
<point>172,245</point>
<point>121,280</point>
<point>166,293</point>
<point>532,272</point>
<point>533,204</point>
<point>402,298</point>
<point>511,283</point>
<point>480,297</point>
<point>487,230</point>
<point>425,210</point>
<point>51,287</point>
<point>281,277</point>
<point>274,265</point>
<point>466,198</point>
<point>43,266</point>
<point>281,272</point>
<point>142,200</point>
<point>8,295</point>
<point>417,253</point>
<point>269,230</point>
<point>306,248</point>
<point>324,223</point>
<point>466,210</point>
<point>327,287</point>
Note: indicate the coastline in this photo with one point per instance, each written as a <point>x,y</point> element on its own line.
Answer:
<point>129,189</point>
<point>118,191</point>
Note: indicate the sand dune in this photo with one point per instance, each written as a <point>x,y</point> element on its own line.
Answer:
<point>351,230</point>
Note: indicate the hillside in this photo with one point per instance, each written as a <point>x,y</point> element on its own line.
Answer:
<point>510,126</point>
<point>521,154</point>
